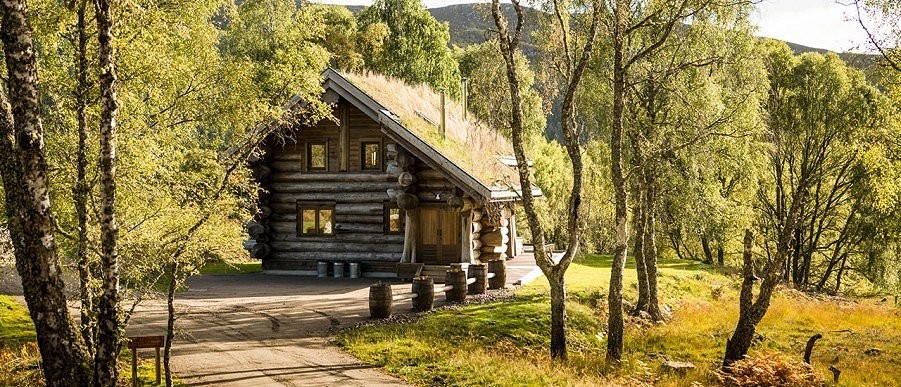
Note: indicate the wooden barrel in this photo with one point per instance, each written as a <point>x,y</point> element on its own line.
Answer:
<point>457,278</point>
<point>380,300</point>
<point>424,287</point>
<point>480,272</point>
<point>499,268</point>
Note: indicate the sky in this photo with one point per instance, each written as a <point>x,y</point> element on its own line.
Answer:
<point>816,23</point>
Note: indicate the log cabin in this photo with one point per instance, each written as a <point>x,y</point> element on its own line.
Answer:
<point>398,174</point>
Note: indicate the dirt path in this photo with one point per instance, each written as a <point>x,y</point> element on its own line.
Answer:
<point>264,330</point>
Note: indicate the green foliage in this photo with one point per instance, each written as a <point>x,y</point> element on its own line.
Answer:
<point>278,40</point>
<point>830,127</point>
<point>403,40</point>
<point>341,36</point>
<point>504,343</point>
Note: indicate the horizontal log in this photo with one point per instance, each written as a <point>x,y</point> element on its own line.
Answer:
<point>287,156</point>
<point>337,247</point>
<point>476,227</point>
<point>334,177</point>
<point>342,256</point>
<point>345,238</point>
<point>435,185</point>
<point>357,227</point>
<point>489,256</point>
<point>261,172</point>
<point>494,239</point>
<point>430,174</point>
<point>339,197</point>
<point>332,187</point>
<point>393,169</point>
<point>494,249</point>
<point>406,179</point>
<point>404,296</point>
<point>255,229</point>
<point>476,215</point>
<point>260,251</point>
<point>287,166</point>
<point>359,209</point>
<point>369,219</point>
<point>476,244</point>
<point>497,224</point>
<point>476,254</point>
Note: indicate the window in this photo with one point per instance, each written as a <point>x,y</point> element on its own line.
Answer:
<point>394,220</point>
<point>315,218</point>
<point>317,156</point>
<point>372,156</point>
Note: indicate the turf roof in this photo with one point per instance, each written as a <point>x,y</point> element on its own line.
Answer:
<point>472,146</point>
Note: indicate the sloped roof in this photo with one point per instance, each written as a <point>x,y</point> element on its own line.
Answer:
<point>474,156</point>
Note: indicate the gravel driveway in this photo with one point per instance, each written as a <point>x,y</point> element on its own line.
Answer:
<point>262,330</point>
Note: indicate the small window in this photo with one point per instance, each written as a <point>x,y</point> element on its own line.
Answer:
<point>315,218</point>
<point>317,156</point>
<point>372,156</point>
<point>394,220</point>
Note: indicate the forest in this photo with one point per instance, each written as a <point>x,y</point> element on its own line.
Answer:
<point>658,131</point>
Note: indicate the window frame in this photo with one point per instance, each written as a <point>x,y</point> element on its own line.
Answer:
<point>380,165</point>
<point>387,219</point>
<point>316,206</point>
<point>309,156</point>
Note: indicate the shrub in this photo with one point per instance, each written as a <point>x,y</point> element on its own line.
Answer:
<point>769,369</point>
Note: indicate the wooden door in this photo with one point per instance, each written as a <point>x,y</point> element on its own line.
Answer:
<point>439,236</point>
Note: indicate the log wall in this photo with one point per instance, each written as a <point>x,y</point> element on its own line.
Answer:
<point>359,197</point>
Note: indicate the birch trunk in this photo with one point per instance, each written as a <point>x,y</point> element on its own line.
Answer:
<point>81,191</point>
<point>615,295</point>
<point>105,371</point>
<point>27,204</point>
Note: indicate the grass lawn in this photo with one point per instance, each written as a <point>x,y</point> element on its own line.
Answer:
<point>20,359</point>
<point>231,268</point>
<point>506,343</point>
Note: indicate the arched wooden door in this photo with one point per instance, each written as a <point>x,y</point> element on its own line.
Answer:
<point>439,236</point>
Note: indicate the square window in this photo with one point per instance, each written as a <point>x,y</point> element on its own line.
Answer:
<point>317,156</point>
<point>315,218</point>
<point>394,220</point>
<point>372,156</point>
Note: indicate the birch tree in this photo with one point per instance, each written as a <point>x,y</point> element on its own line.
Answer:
<point>577,54</point>
<point>30,220</point>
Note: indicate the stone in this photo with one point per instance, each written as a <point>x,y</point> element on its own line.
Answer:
<point>677,367</point>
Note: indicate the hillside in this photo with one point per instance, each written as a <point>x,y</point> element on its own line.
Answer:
<point>471,24</point>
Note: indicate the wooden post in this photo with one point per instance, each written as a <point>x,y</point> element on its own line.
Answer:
<point>456,278</point>
<point>424,287</point>
<point>499,268</point>
<point>134,366</point>
<point>480,273</point>
<point>411,232</point>
<point>466,237</point>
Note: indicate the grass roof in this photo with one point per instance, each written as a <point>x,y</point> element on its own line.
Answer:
<point>468,143</point>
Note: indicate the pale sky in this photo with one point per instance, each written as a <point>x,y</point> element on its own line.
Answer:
<point>816,23</point>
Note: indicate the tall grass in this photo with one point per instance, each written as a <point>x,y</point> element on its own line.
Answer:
<point>506,343</point>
